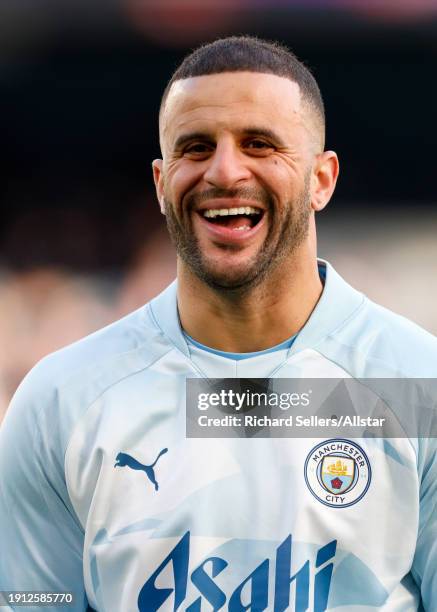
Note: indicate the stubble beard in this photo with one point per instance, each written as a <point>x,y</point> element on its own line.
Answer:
<point>288,230</point>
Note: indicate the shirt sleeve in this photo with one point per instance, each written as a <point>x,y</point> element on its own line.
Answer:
<point>41,537</point>
<point>424,569</point>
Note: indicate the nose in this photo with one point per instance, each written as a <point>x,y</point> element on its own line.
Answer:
<point>227,166</point>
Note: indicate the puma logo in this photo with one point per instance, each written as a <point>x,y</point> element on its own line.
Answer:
<point>124,459</point>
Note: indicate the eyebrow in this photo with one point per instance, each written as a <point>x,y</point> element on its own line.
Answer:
<point>183,139</point>
<point>265,132</point>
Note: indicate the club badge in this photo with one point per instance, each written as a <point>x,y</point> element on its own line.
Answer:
<point>338,473</point>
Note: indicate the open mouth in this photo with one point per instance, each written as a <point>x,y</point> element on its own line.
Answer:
<point>239,219</point>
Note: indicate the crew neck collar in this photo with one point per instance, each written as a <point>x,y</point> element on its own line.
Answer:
<point>336,304</point>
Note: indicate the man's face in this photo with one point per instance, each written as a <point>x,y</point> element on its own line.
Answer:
<point>234,180</point>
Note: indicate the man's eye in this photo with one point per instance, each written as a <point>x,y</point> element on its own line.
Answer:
<point>197,148</point>
<point>258,145</point>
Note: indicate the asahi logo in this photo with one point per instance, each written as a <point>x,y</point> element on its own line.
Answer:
<point>258,593</point>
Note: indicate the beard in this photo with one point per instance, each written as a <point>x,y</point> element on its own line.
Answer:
<point>287,231</point>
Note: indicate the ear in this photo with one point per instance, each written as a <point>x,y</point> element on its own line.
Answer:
<point>159,183</point>
<point>324,179</point>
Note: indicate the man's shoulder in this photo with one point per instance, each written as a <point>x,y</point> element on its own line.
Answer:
<point>402,332</point>
<point>59,390</point>
<point>390,342</point>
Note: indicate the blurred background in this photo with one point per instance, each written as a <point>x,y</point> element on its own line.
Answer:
<point>81,239</point>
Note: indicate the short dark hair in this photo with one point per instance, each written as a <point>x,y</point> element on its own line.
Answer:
<point>250,54</point>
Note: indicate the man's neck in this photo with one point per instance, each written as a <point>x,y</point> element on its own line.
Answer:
<point>252,321</point>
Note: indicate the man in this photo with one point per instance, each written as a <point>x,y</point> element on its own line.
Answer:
<point>103,495</point>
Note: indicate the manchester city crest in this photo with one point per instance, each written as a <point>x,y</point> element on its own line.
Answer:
<point>338,473</point>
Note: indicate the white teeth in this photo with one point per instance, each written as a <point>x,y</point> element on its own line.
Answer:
<point>241,228</point>
<point>222,212</point>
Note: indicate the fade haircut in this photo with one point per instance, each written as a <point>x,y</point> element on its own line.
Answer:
<point>250,54</point>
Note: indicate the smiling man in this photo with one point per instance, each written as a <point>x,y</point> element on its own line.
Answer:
<point>243,172</point>
<point>104,496</point>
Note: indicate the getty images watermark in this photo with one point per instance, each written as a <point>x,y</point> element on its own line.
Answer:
<point>311,408</point>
